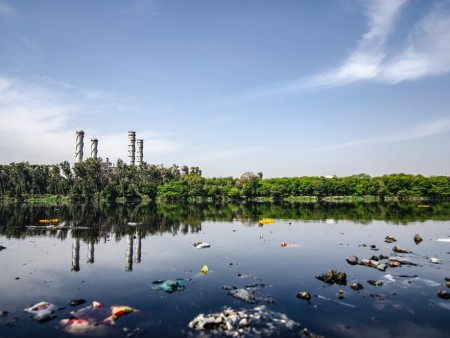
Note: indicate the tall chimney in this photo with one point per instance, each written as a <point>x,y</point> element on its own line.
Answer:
<point>131,147</point>
<point>94,144</point>
<point>79,147</point>
<point>140,151</point>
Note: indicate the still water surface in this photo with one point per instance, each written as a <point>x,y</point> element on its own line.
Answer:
<point>100,257</point>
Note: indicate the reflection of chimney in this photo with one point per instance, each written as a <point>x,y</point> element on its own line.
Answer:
<point>75,254</point>
<point>79,147</point>
<point>137,259</point>
<point>131,147</point>
<point>129,254</point>
<point>91,251</point>
<point>140,151</point>
<point>94,144</point>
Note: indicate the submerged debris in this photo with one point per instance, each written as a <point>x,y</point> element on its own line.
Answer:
<point>245,322</point>
<point>2,247</point>
<point>333,277</point>
<point>417,239</point>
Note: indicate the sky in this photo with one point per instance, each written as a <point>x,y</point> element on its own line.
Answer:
<point>287,88</point>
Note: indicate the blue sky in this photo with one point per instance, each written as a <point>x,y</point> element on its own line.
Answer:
<point>288,88</point>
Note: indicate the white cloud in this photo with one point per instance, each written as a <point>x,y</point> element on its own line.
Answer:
<point>426,52</point>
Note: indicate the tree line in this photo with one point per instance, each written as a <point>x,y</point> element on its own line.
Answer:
<point>93,179</point>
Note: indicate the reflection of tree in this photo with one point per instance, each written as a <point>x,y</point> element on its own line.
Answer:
<point>155,219</point>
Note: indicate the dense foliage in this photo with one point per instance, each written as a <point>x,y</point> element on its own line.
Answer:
<point>95,180</point>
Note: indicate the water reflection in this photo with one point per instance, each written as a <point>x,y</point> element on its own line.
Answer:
<point>90,222</point>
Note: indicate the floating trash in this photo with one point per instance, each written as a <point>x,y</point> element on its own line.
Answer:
<point>245,295</point>
<point>259,322</point>
<point>51,220</point>
<point>170,286</point>
<point>133,224</point>
<point>201,245</point>
<point>204,269</point>
<point>42,311</point>
<point>266,221</point>
<point>94,320</point>
<point>443,240</point>
<point>285,244</point>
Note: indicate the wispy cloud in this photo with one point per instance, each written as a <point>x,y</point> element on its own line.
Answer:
<point>6,10</point>
<point>424,129</point>
<point>426,52</point>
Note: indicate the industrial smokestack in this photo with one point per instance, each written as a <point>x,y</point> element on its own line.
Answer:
<point>140,151</point>
<point>79,147</point>
<point>94,144</point>
<point>131,147</point>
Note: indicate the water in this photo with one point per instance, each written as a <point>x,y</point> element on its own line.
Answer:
<point>109,261</point>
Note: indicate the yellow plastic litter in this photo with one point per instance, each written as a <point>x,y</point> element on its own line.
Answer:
<point>119,311</point>
<point>52,220</point>
<point>205,269</point>
<point>266,221</point>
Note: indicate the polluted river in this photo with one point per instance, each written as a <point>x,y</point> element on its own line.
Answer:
<point>227,270</point>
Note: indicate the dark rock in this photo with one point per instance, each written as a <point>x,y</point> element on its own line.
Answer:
<point>3,313</point>
<point>417,239</point>
<point>374,258</point>
<point>304,295</point>
<point>75,302</point>
<point>333,277</point>
<point>390,239</point>
<point>443,294</point>
<point>356,286</point>
<point>2,247</point>
<point>352,260</point>
<point>400,250</point>
<point>383,256</point>
<point>375,282</point>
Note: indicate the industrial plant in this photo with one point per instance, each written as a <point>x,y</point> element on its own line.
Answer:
<point>133,158</point>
